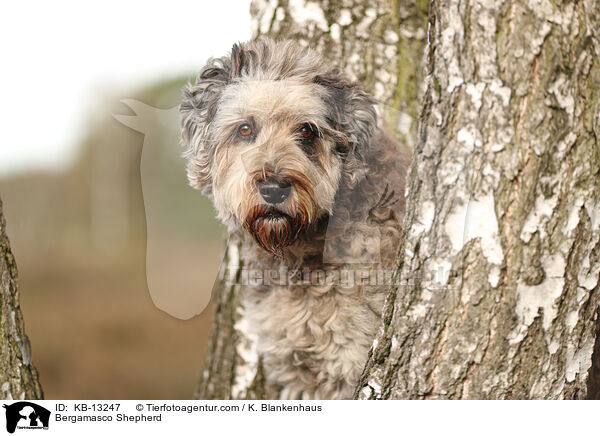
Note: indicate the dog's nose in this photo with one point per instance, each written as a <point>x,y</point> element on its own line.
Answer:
<point>274,191</point>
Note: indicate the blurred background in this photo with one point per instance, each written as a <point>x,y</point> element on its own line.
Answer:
<point>76,79</point>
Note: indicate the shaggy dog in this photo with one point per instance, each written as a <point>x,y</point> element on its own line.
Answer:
<point>290,153</point>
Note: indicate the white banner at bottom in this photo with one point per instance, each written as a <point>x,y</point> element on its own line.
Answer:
<point>296,417</point>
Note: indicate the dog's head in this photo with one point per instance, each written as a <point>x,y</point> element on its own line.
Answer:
<point>272,132</point>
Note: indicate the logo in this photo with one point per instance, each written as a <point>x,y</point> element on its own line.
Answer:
<point>26,415</point>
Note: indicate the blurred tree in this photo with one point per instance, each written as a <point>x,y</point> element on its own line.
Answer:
<point>18,376</point>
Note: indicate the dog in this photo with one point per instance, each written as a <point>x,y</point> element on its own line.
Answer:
<point>290,153</point>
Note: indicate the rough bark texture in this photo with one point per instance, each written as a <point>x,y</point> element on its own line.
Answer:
<point>498,285</point>
<point>231,370</point>
<point>379,43</point>
<point>18,376</point>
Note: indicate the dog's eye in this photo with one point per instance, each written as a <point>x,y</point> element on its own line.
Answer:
<point>307,132</point>
<point>245,130</point>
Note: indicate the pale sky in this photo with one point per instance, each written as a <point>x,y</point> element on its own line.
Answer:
<point>57,55</point>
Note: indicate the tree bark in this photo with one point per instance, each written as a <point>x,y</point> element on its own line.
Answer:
<point>498,285</point>
<point>18,376</point>
<point>377,42</point>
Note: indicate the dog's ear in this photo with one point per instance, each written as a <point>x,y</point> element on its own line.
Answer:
<point>352,114</point>
<point>197,111</point>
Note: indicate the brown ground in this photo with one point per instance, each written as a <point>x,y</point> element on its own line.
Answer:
<point>96,334</point>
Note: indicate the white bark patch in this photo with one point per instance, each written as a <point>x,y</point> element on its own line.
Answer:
<point>589,275</point>
<point>455,226</point>
<point>383,76</point>
<point>416,312</point>
<point>573,218</point>
<point>494,276</point>
<point>390,52</point>
<point>593,211</point>
<point>476,220</point>
<point>279,14</point>
<point>233,252</point>
<point>375,386</point>
<point>247,352</point>
<point>453,32</point>
<point>571,320</point>
<point>450,172</point>
<point>404,123</point>
<point>579,361</point>
<point>428,212</point>
<point>454,82</point>
<point>475,91</point>
<point>496,147</point>
<point>390,37</point>
<point>366,393</point>
<point>543,296</point>
<point>543,7</point>
<point>561,91</point>
<point>335,32</point>
<point>354,57</point>
<point>246,349</point>
<point>541,213</point>
<point>363,26</point>
<point>379,91</point>
<point>466,137</point>
<point>308,12</point>
<point>440,270</point>
<point>504,92</point>
<point>268,8</point>
<point>425,219</point>
<point>345,17</point>
<point>567,142</point>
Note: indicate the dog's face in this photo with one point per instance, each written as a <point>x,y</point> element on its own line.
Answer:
<point>272,134</point>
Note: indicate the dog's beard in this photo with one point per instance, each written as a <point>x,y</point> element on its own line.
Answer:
<point>274,230</point>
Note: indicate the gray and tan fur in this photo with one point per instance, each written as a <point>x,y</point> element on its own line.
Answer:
<point>290,153</point>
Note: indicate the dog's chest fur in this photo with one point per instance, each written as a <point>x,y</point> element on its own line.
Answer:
<point>313,336</point>
<point>314,330</point>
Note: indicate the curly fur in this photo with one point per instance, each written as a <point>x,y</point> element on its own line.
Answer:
<point>343,213</point>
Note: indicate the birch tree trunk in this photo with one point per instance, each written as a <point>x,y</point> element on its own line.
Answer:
<point>377,42</point>
<point>18,376</point>
<point>498,286</point>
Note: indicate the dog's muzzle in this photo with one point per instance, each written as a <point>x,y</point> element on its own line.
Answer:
<point>273,225</point>
<point>274,190</point>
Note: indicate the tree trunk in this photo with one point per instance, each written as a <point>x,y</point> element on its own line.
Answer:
<point>379,43</point>
<point>498,285</point>
<point>18,376</point>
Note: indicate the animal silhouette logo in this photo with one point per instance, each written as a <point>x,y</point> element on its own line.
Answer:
<point>26,415</point>
<point>161,137</point>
